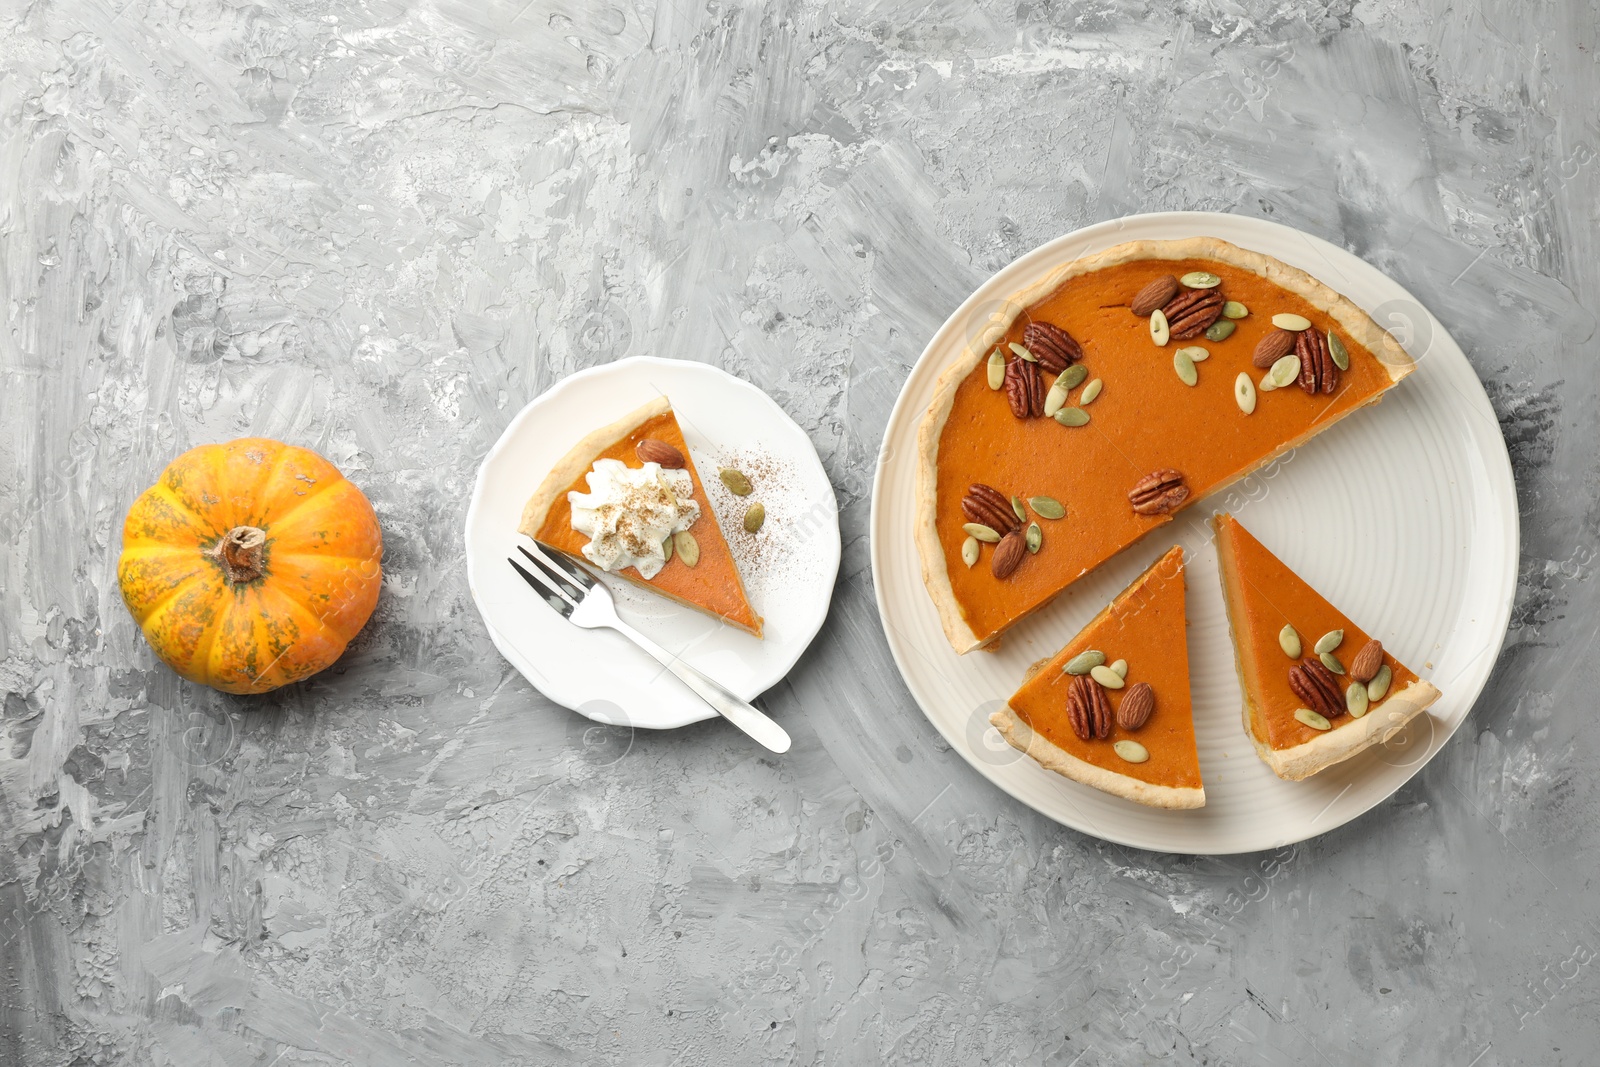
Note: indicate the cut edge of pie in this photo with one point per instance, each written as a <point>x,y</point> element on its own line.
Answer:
<point>1023,737</point>
<point>1351,736</point>
<point>935,569</point>
<point>571,468</point>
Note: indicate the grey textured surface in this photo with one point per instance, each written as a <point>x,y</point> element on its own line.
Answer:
<point>379,229</point>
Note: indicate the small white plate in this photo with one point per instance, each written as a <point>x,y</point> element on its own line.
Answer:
<point>600,673</point>
<point>1427,562</point>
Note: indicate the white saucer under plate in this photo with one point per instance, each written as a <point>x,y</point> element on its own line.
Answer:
<point>1427,562</point>
<point>600,673</point>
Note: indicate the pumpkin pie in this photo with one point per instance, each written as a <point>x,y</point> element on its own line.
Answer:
<point>632,466</point>
<point>1111,709</point>
<point>1317,688</point>
<point>1121,388</point>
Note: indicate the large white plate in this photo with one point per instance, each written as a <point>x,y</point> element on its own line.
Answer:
<point>1421,551</point>
<point>600,673</point>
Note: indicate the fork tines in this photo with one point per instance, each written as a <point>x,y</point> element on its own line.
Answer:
<point>560,583</point>
<point>578,574</point>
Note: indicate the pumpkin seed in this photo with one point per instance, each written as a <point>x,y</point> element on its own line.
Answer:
<point>969,551</point>
<point>982,532</point>
<point>1378,688</point>
<point>1330,661</point>
<point>1047,507</point>
<point>1091,391</point>
<point>1159,331</point>
<point>687,547</point>
<point>1072,417</point>
<point>1196,353</point>
<point>1220,330</point>
<point>1106,677</point>
<point>1131,751</point>
<point>1200,279</point>
<point>1356,700</point>
<point>735,480</point>
<point>1293,323</point>
<point>754,517</point>
<point>1184,365</point>
<point>1244,393</point>
<point>1336,349</point>
<point>1266,385</point>
<point>666,548</point>
<point>1073,376</point>
<point>997,370</point>
<point>1023,353</point>
<point>1312,719</point>
<point>1056,398</point>
<point>1289,641</point>
<point>1329,641</point>
<point>1022,512</point>
<point>1285,371</point>
<point>1121,667</point>
<point>1085,661</point>
<point>1234,310</point>
<point>1035,537</point>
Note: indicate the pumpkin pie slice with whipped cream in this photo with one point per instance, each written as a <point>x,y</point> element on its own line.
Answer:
<point>1111,709</point>
<point>628,500</point>
<point>1317,688</point>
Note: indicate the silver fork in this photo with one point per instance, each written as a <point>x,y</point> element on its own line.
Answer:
<point>573,592</point>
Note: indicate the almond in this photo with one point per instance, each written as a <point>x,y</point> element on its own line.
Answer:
<point>1365,666</point>
<point>1154,296</point>
<point>1271,348</point>
<point>1137,705</point>
<point>651,450</point>
<point>1008,554</point>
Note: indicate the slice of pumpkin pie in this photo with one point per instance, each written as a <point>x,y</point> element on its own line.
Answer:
<point>1317,688</point>
<point>628,500</point>
<point>1111,709</point>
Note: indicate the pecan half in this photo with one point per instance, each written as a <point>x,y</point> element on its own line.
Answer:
<point>1007,554</point>
<point>1318,372</point>
<point>1189,313</point>
<point>1155,295</point>
<point>1054,346</point>
<point>1024,388</point>
<point>991,507</point>
<point>1158,492</point>
<point>1271,348</point>
<point>651,450</point>
<point>1365,666</point>
<point>1316,685</point>
<point>1088,709</point>
<point>1137,705</point>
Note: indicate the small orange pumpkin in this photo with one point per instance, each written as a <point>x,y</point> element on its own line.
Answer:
<point>250,565</point>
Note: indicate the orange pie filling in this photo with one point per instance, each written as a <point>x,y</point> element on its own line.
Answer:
<point>1135,653</point>
<point>1273,612</point>
<point>712,584</point>
<point>1143,416</point>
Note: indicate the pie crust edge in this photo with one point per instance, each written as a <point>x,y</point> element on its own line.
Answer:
<point>1303,760</point>
<point>1052,757</point>
<point>1357,323</point>
<point>579,458</point>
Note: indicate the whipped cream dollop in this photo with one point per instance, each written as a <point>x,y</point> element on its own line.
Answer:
<point>629,511</point>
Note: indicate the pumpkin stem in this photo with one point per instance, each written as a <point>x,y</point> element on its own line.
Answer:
<point>239,552</point>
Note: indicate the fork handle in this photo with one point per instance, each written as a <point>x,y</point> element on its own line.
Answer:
<point>739,712</point>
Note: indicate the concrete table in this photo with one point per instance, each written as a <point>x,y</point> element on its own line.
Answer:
<point>378,229</point>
